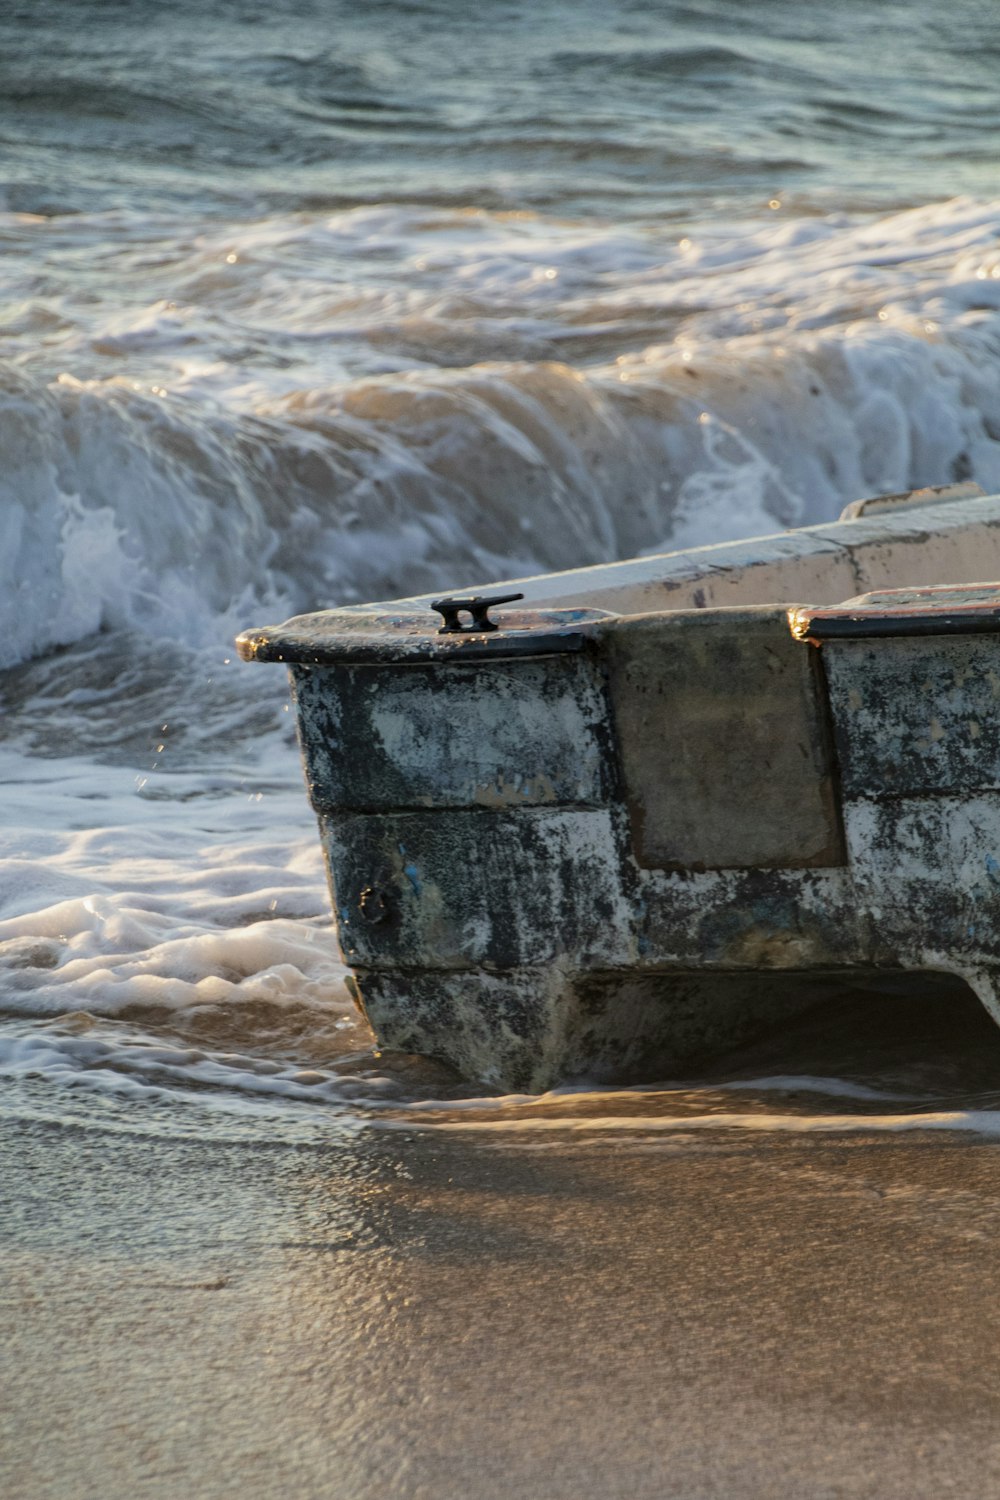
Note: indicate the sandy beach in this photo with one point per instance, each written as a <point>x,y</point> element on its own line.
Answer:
<point>425,1314</point>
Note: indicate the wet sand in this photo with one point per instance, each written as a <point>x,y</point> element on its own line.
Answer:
<point>427,1314</point>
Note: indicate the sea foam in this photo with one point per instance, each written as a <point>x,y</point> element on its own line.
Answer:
<point>488,396</point>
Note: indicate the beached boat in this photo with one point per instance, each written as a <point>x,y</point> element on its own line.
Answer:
<point>607,822</point>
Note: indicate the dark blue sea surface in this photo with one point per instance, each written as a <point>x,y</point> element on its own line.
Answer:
<point>636,109</point>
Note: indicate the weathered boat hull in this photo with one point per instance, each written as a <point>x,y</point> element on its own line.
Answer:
<point>609,844</point>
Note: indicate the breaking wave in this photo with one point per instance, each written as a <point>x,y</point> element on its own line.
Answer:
<point>323,409</point>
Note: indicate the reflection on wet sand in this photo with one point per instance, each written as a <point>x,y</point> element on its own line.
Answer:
<point>251,1306</point>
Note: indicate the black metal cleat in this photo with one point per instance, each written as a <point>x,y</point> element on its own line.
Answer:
<point>476,605</point>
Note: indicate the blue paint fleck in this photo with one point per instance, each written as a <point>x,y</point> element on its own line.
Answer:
<point>410,871</point>
<point>993,869</point>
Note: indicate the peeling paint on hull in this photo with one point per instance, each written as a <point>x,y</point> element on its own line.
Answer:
<point>657,833</point>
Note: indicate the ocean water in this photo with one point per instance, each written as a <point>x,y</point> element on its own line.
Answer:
<point>316,303</point>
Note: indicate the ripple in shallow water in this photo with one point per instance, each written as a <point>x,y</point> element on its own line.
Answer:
<point>872,1062</point>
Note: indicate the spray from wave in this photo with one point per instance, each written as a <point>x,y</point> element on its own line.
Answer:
<point>587,395</point>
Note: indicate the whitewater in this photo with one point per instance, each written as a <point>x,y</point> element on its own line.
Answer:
<point>333,314</point>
